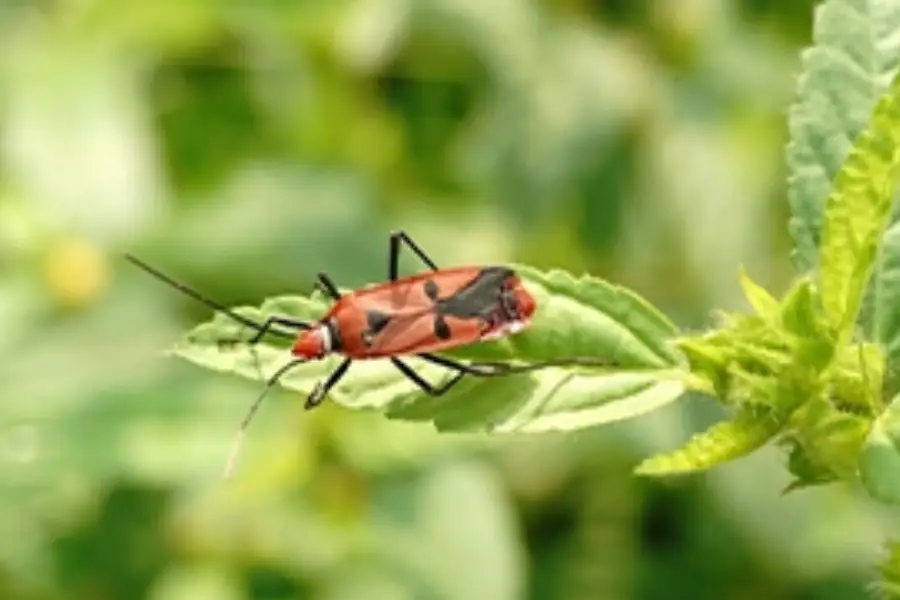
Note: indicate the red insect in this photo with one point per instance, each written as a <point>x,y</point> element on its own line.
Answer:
<point>416,315</point>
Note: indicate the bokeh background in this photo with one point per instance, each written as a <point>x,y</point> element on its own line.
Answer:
<point>242,145</point>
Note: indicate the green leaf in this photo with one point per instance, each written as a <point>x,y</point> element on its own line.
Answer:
<point>801,316</point>
<point>848,68</point>
<point>879,462</point>
<point>829,440</point>
<point>880,315</point>
<point>709,362</point>
<point>857,213</point>
<point>857,378</point>
<point>806,473</point>
<point>799,311</point>
<point>737,362</point>
<point>765,305</point>
<point>721,443</point>
<point>582,317</point>
<point>742,359</point>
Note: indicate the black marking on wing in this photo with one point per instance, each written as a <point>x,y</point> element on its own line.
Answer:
<point>377,321</point>
<point>480,297</point>
<point>431,290</point>
<point>441,329</point>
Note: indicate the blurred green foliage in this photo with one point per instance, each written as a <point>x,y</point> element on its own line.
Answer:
<point>242,146</point>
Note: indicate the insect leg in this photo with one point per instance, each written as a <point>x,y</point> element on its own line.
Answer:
<point>478,370</point>
<point>399,237</point>
<point>424,385</point>
<point>322,389</point>
<point>328,287</point>
<point>494,369</point>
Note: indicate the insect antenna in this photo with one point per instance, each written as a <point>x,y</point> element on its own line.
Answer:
<point>188,291</point>
<point>239,438</point>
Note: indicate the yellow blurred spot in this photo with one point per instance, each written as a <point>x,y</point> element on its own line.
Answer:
<point>341,492</point>
<point>686,20</point>
<point>76,272</point>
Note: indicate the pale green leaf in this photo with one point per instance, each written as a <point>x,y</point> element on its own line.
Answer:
<point>880,314</point>
<point>721,443</point>
<point>583,317</point>
<point>849,66</point>
<point>879,462</point>
<point>858,212</point>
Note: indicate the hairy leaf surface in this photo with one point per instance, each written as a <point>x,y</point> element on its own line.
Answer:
<point>857,214</point>
<point>721,443</point>
<point>850,65</point>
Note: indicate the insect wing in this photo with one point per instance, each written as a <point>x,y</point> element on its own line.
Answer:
<point>425,332</point>
<point>419,291</point>
<point>403,317</point>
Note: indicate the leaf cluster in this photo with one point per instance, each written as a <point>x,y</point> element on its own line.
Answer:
<point>810,371</point>
<point>795,370</point>
<point>783,376</point>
